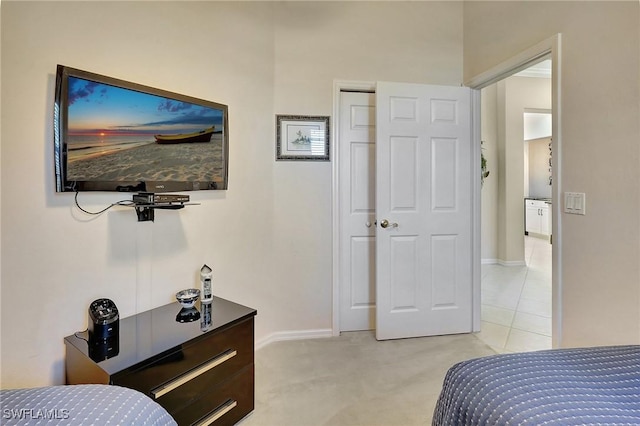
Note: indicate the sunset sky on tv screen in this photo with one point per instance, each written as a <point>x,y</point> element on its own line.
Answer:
<point>101,109</point>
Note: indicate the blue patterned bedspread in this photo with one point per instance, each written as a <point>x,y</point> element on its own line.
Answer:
<point>80,405</point>
<point>587,386</point>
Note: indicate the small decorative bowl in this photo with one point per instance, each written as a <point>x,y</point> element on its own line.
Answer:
<point>188,297</point>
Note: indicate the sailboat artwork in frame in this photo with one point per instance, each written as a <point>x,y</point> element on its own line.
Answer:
<point>302,137</point>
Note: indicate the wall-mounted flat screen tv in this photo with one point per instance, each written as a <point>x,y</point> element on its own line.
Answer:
<point>114,135</point>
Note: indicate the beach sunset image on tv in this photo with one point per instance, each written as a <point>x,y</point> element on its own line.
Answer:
<point>119,134</point>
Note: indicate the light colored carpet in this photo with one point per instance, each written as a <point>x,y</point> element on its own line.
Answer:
<point>355,380</point>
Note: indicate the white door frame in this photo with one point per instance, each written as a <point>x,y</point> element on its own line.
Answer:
<point>550,47</point>
<point>345,85</point>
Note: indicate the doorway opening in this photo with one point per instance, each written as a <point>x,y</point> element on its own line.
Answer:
<point>516,283</point>
<point>549,48</point>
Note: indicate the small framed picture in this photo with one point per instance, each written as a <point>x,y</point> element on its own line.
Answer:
<point>300,137</point>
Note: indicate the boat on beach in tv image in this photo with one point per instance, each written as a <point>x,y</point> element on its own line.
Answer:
<point>114,131</point>
<point>201,136</point>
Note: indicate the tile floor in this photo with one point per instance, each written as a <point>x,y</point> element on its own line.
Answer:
<point>516,301</point>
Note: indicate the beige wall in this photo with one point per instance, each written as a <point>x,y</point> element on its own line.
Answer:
<point>268,238</point>
<point>56,260</point>
<point>316,43</point>
<point>600,293</point>
<point>489,200</point>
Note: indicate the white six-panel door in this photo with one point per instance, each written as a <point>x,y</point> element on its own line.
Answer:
<point>357,211</point>
<point>423,210</point>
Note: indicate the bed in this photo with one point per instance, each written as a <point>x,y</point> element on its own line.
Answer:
<point>599,385</point>
<point>80,405</point>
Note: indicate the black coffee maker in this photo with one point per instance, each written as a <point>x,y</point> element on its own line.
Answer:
<point>104,329</point>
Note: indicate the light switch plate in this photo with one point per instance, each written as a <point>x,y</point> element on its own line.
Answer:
<point>575,203</point>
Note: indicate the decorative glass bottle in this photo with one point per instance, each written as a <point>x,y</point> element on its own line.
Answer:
<point>206,277</point>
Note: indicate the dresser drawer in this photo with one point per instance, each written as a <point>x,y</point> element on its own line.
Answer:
<point>224,404</point>
<point>193,366</point>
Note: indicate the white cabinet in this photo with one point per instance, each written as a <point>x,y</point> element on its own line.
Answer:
<point>537,217</point>
<point>532,218</point>
<point>545,220</point>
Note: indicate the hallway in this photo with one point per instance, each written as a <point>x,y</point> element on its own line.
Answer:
<point>516,301</point>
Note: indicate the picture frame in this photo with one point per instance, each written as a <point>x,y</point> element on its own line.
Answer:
<point>302,138</point>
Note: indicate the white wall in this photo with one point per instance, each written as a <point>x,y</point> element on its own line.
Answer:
<point>600,119</point>
<point>268,238</point>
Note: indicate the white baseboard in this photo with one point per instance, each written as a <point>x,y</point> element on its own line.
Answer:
<point>293,335</point>
<point>512,263</point>
<point>503,262</point>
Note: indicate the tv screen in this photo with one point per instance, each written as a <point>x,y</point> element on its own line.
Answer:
<point>114,135</point>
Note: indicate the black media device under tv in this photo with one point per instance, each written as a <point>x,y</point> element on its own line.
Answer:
<point>114,135</point>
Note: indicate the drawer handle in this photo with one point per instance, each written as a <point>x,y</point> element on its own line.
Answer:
<point>164,389</point>
<point>224,409</point>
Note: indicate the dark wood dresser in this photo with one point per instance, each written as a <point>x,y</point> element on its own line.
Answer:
<point>198,364</point>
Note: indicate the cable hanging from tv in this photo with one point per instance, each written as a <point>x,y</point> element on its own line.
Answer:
<point>117,203</point>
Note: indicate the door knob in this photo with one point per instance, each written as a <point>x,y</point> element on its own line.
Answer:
<point>385,224</point>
